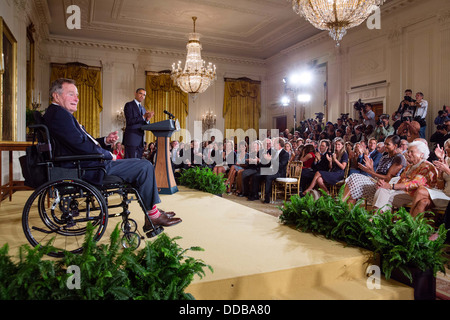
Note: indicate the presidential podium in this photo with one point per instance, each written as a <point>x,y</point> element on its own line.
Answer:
<point>163,165</point>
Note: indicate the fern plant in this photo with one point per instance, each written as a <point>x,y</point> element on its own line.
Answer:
<point>203,179</point>
<point>401,240</point>
<point>161,270</point>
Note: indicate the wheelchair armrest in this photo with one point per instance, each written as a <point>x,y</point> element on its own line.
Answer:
<point>82,157</point>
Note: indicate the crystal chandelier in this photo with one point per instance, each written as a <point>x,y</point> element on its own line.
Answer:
<point>196,77</point>
<point>336,16</point>
<point>209,119</point>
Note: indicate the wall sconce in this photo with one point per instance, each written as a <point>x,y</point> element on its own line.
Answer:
<point>35,104</point>
<point>120,118</point>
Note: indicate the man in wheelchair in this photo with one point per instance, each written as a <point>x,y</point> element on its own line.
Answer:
<point>74,140</point>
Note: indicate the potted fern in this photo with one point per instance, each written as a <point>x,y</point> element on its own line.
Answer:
<point>406,252</point>
<point>159,271</point>
<point>203,179</point>
<point>402,242</point>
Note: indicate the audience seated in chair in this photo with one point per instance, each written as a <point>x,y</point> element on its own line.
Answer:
<point>241,163</point>
<point>278,160</point>
<point>419,172</point>
<point>338,162</point>
<point>425,197</point>
<point>364,186</point>
<point>227,160</point>
<point>321,163</point>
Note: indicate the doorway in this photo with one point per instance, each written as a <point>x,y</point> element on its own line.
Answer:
<point>281,123</point>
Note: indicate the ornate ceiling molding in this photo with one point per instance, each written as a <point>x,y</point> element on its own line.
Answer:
<point>150,51</point>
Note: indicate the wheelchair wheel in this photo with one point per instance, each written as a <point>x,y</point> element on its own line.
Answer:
<point>131,240</point>
<point>129,225</point>
<point>60,211</point>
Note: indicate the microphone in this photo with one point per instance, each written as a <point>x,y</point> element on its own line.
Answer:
<point>169,114</point>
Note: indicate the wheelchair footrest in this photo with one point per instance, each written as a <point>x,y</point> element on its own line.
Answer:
<point>154,232</point>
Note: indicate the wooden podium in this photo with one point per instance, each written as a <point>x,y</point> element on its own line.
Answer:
<point>163,165</point>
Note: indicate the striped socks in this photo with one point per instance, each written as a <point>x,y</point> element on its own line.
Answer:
<point>154,213</point>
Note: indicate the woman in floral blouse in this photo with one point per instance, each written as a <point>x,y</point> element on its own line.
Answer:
<point>426,198</point>
<point>419,172</point>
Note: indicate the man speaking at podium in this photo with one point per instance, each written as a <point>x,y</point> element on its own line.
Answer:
<point>136,116</point>
<point>74,140</point>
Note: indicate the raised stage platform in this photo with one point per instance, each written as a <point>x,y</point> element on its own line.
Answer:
<point>253,256</point>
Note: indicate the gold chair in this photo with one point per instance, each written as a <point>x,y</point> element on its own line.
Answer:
<point>334,189</point>
<point>286,185</point>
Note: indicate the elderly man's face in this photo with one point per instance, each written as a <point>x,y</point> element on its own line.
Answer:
<point>68,99</point>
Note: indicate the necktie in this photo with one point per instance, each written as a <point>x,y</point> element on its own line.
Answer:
<point>141,109</point>
<point>86,133</point>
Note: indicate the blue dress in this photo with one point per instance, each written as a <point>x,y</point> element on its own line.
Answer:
<point>335,174</point>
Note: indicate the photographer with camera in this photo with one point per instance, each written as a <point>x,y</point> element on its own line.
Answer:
<point>383,129</point>
<point>442,116</point>
<point>405,110</point>
<point>409,130</point>
<point>420,114</point>
<point>368,115</point>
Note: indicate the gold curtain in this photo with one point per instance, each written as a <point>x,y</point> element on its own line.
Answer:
<point>163,94</point>
<point>242,104</point>
<point>89,84</point>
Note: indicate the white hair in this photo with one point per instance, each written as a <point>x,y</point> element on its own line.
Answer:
<point>422,147</point>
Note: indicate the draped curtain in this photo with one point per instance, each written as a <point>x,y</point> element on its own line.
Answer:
<point>163,94</point>
<point>89,84</point>
<point>242,104</point>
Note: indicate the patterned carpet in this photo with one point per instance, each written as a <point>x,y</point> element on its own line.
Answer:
<point>442,280</point>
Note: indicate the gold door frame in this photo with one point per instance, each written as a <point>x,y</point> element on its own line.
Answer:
<point>6,32</point>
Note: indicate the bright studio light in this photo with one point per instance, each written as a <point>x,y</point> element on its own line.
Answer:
<point>285,101</point>
<point>304,98</point>
<point>303,78</point>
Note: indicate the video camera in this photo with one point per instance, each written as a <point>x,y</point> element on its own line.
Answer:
<point>408,99</point>
<point>319,116</point>
<point>359,105</point>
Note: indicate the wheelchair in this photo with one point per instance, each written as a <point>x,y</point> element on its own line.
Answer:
<point>59,210</point>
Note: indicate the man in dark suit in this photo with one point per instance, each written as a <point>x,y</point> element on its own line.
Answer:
<point>278,159</point>
<point>74,140</point>
<point>136,116</point>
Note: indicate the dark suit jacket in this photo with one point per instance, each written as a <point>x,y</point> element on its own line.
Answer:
<point>133,135</point>
<point>282,159</point>
<point>375,156</point>
<point>323,164</point>
<point>71,140</point>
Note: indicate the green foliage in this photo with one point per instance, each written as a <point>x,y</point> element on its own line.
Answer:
<point>160,270</point>
<point>203,179</point>
<point>401,240</point>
